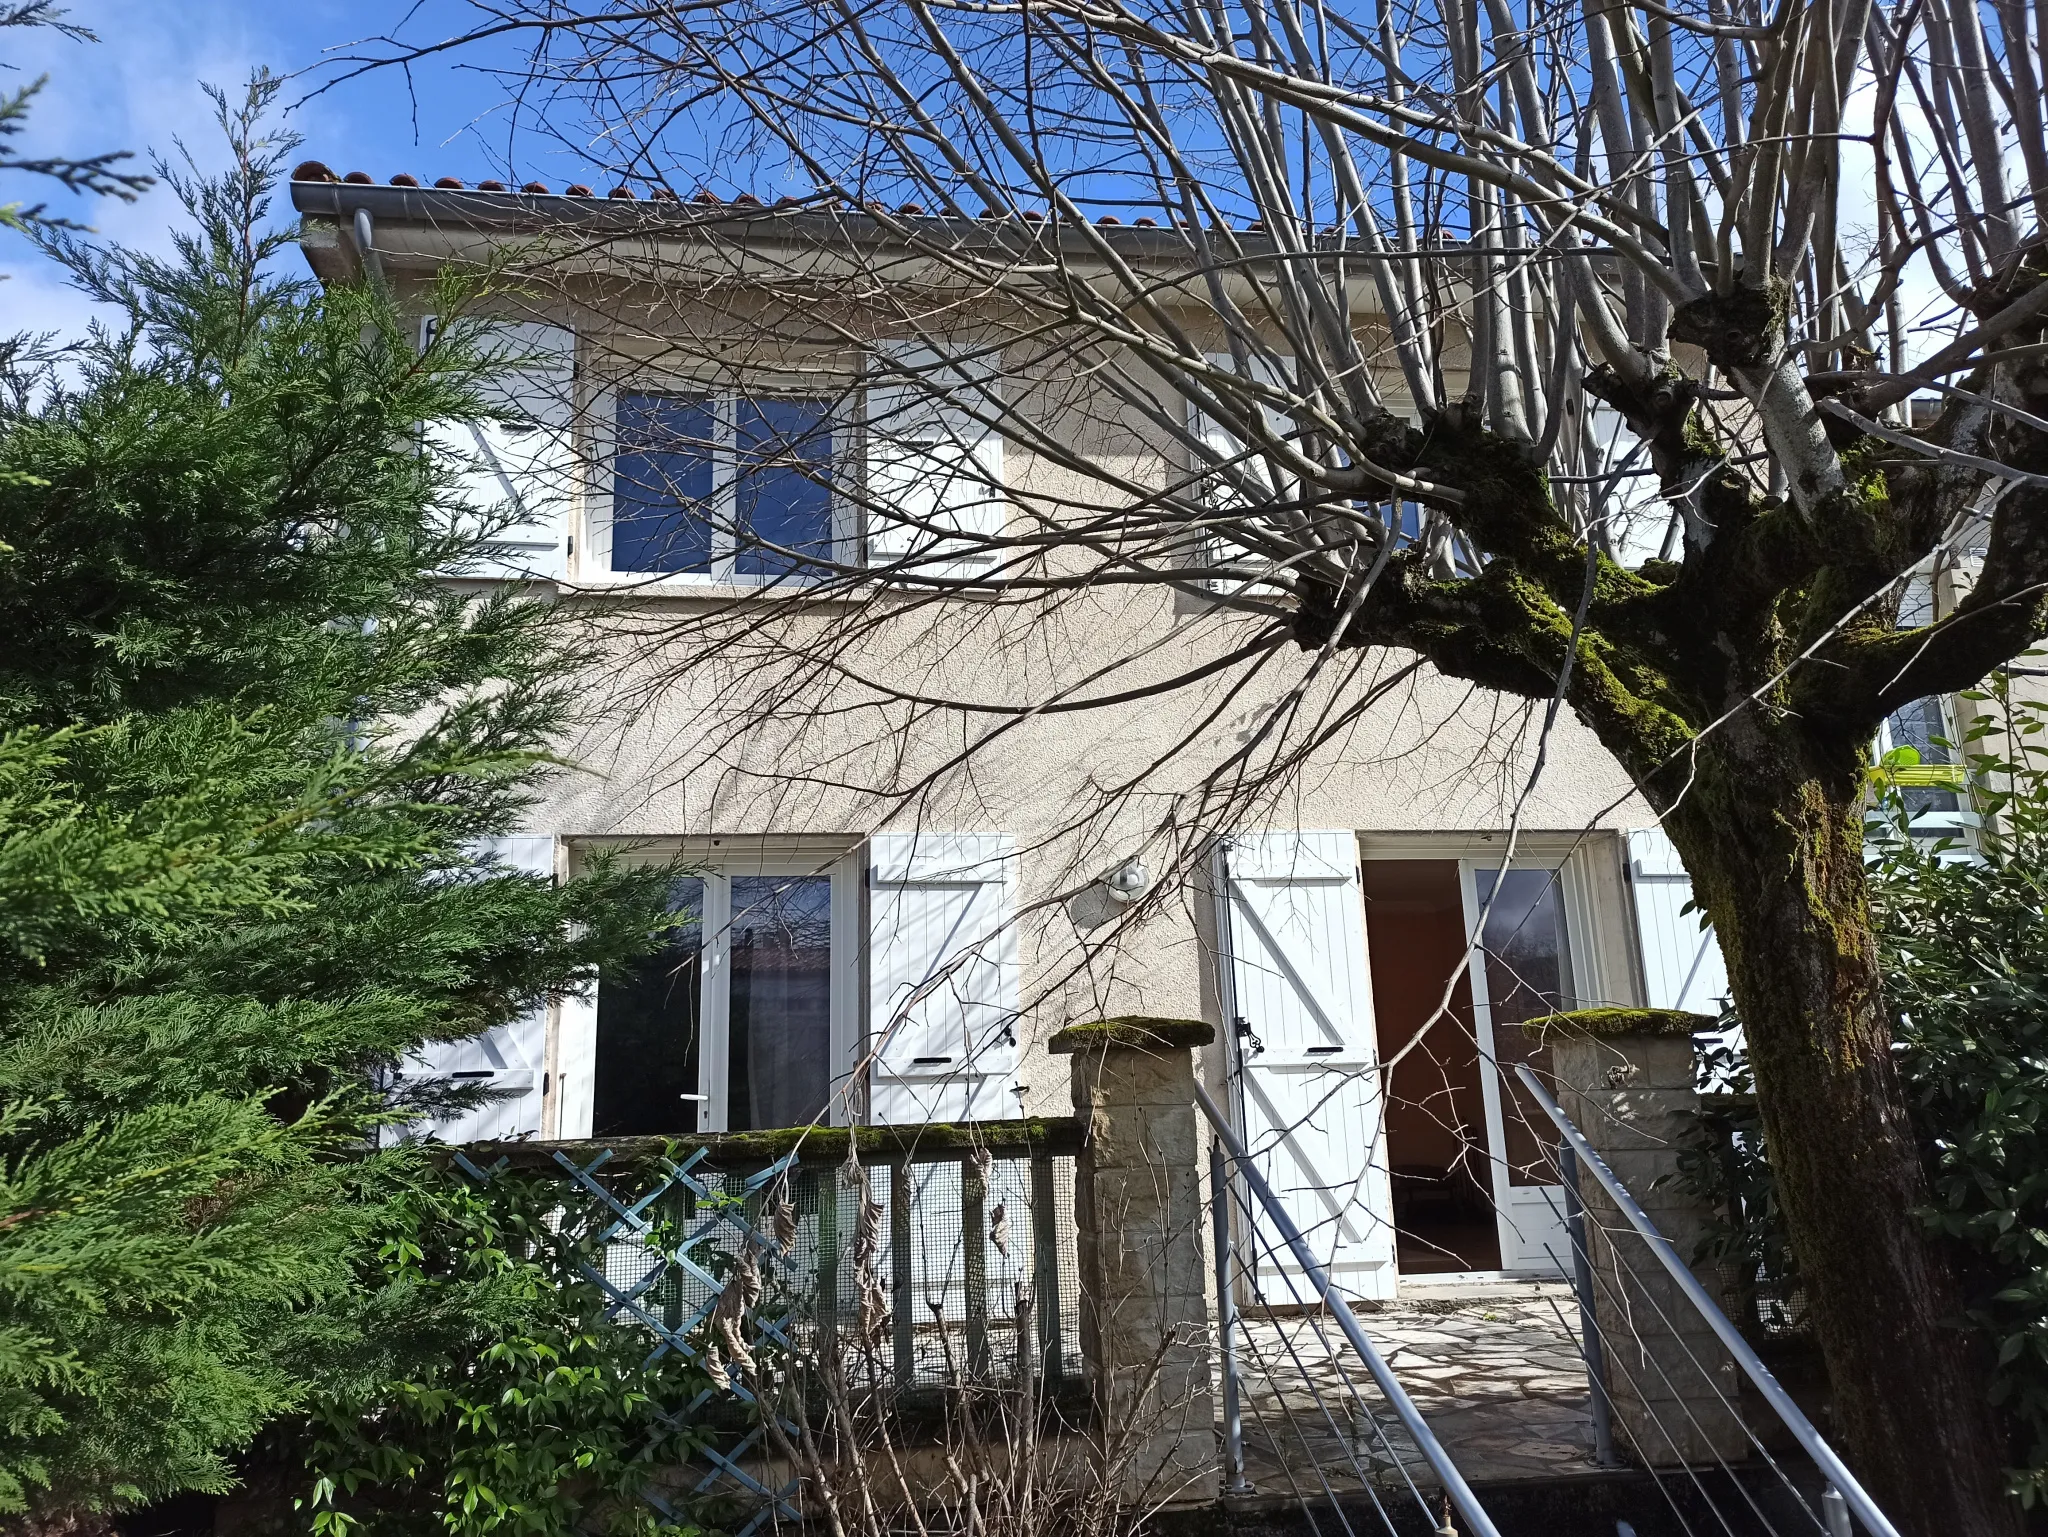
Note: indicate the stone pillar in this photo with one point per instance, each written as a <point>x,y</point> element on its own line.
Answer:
<point>1625,1078</point>
<point>1144,1288</point>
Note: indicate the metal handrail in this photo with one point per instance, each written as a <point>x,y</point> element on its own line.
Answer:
<point>1837,1473</point>
<point>1477,1522</point>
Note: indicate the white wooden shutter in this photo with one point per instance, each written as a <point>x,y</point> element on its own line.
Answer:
<point>942,977</point>
<point>1299,983</point>
<point>1682,965</point>
<point>521,463</point>
<point>934,462</point>
<point>1224,447</point>
<point>510,1060</point>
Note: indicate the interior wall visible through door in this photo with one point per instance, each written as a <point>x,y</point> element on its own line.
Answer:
<point>1435,1113</point>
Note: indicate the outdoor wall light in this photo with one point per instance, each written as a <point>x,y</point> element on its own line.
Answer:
<point>1105,897</point>
<point>1127,882</point>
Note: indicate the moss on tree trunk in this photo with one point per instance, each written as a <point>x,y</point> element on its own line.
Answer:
<point>1771,828</point>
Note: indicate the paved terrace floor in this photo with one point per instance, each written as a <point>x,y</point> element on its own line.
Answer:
<point>1495,1370</point>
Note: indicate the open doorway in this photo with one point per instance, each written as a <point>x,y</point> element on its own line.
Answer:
<point>1435,1107</point>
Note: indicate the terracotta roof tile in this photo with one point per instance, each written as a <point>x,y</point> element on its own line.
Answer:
<point>318,171</point>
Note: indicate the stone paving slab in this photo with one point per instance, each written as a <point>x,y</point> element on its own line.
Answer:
<point>1494,1369</point>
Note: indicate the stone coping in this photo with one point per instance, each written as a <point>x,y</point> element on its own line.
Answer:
<point>814,1146</point>
<point>1134,1032</point>
<point>1607,1024</point>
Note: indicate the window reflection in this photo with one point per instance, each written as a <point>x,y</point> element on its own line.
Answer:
<point>647,1026</point>
<point>1528,969</point>
<point>779,1057</point>
<point>721,484</point>
<point>662,484</point>
<point>783,496</point>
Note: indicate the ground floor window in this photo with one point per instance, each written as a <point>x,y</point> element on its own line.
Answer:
<point>731,1027</point>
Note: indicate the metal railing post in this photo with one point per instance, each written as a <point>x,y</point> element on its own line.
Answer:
<point>1835,1511</point>
<point>1831,1465</point>
<point>1226,1325</point>
<point>1477,1522</point>
<point>1589,1324</point>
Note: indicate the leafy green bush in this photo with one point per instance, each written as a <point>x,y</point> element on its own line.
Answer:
<point>493,1396</point>
<point>1966,957</point>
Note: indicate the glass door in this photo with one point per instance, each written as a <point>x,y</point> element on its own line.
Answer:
<point>742,1021</point>
<point>1521,970</point>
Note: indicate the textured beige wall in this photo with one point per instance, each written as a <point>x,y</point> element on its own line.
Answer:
<point>705,721</point>
<point>685,743</point>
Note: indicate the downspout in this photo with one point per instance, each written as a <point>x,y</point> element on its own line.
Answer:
<point>366,248</point>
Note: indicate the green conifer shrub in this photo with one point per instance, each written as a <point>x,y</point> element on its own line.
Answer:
<point>249,744</point>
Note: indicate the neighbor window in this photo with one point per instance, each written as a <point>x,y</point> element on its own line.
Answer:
<point>1917,743</point>
<point>728,487</point>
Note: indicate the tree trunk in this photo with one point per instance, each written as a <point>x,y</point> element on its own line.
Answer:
<point>1771,828</point>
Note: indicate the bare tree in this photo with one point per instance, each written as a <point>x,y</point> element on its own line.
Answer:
<point>1563,345</point>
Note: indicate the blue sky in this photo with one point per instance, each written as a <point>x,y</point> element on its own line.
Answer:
<point>138,88</point>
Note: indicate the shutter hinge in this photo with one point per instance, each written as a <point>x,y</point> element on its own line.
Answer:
<point>1245,1033</point>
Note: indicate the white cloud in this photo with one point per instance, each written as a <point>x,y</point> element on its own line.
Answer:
<point>139,89</point>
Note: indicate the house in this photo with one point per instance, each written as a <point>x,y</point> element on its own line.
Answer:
<point>895,903</point>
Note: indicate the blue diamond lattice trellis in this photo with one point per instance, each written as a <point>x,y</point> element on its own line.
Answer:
<point>686,1253</point>
<point>751,1265</point>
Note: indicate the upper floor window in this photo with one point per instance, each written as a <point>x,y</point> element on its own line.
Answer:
<point>729,487</point>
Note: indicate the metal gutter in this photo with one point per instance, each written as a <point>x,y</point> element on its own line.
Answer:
<point>539,213</point>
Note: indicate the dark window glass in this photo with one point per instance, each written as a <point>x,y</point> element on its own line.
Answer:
<point>782,492</point>
<point>779,1060</point>
<point>662,483</point>
<point>1528,965</point>
<point>647,1023</point>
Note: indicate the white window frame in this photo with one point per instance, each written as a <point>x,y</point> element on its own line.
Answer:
<point>714,1019</point>
<point>846,446</point>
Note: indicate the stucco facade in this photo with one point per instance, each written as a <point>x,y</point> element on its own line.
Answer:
<point>956,859</point>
